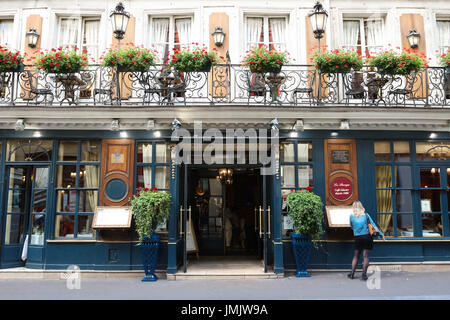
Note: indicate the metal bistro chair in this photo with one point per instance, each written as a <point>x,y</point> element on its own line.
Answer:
<point>177,89</point>
<point>256,85</point>
<point>306,86</point>
<point>353,86</point>
<point>34,90</point>
<point>407,90</point>
<point>151,87</point>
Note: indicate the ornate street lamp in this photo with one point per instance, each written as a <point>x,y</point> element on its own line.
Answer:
<point>119,20</point>
<point>218,36</point>
<point>32,38</point>
<point>318,19</point>
<point>413,38</point>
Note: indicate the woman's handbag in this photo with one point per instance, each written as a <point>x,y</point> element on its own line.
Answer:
<point>372,230</point>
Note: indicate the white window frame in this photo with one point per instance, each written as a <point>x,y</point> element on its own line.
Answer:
<point>266,18</point>
<point>444,48</point>
<point>362,33</point>
<point>12,44</point>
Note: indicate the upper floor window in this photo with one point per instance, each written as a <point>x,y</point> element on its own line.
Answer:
<point>269,31</point>
<point>443,27</point>
<point>171,32</point>
<point>365,35</point>
<point>82,33</point>
<point>6,32</point>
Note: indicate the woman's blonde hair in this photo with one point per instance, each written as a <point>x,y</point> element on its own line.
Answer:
<point>358,209</point>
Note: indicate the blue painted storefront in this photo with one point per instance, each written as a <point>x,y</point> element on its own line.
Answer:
<point>125,255</point>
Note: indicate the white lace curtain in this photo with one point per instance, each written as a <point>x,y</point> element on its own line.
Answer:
<point>444,35</point>
<point>278,28</point>
<point>91,32</point>
<point>68,32</point>
<point>160,37</point>
<point>254,31</point>
<point>6,32</point>
<point>374,36</point>
<point>183,31</point>
<point>147,158</point>
<point>351,34</point>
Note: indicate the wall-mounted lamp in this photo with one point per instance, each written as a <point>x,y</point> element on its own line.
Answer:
<point>413,38</point>
<point>218,36</point>
<point>32,37</point>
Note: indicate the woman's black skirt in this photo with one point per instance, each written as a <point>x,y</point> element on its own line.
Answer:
<point>364,242</point>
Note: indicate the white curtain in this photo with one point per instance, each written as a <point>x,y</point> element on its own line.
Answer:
<point>6,32</point>
<point>147,158</point>
<point>278,28</point>
<point>351,34</point>
<point>91,31</point>
<point>254,31</point>
<point>183,29</point>
<point>161,177</point>
<point>68,32</point>
<point>374,35</point>
<point>160,37</point>
<point>444,35</point>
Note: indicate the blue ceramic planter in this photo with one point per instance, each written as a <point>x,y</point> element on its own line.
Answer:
<point>302,246</point>
<point>149,251</point>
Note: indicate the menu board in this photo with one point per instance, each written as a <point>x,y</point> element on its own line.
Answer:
<point>339,216</point>
<point>112,217</point>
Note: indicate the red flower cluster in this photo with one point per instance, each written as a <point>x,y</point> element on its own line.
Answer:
<point>9,60</point>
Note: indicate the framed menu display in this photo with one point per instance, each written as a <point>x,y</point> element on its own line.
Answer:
<point>339,216</point>
<point>112,217</point>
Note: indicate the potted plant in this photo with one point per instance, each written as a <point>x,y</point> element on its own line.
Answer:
<point>195,60</point>
<point>130,59</point>
<point>337,61</point>
<point>305,210</point>
<point>149,208</point>
<point>61,60</point>
<point>261,60</point>
<point>394,63</point>
<point>10,61</point>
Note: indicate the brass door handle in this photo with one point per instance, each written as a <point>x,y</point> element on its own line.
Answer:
<point>190,221</point>
<point>181,220</point>
<point>260,223</point>
<point>256,213</point>
<point>268,221</point>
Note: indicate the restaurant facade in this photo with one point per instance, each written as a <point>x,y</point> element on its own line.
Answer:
<point>227,148</point>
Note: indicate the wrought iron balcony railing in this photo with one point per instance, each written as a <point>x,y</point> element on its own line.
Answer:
<point>296,85</point>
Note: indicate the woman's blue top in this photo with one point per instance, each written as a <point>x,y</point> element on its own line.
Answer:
<point>359,225</point>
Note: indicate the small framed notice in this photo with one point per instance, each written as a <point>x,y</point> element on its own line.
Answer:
<point>112,217</point>
<point>339,216</point>
<point>425,205</point>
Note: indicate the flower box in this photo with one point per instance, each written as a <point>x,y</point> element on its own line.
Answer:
<point>195,60</point>
<point>130,59</point>
<point>61,61</point>
<point>337,61</point>
<point>394,63</point>
<point>262,60</point>
<point>10,61</point>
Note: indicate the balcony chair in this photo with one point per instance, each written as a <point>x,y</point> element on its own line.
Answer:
<point>256,85</point>
<point>353,87</point>
<point>407,90</point>
<point>305,87</point>
<point>34,90</point>
<point>101,92</point>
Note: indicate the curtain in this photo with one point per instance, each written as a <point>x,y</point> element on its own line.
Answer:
<point>374,30</point>
<point>351,34</point>
<point>147,158</point>
<point>6,32</point>
<point>277,30</point>
<point>161,177</point>
<point>91,31</point>
<point>254,31</point>
<point>183,31</point>
<point>444,35</point>
<point>384,197</point>
<point>68,32</point>
<point>160,37</point>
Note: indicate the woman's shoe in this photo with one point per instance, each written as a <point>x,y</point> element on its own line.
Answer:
<point>351,275</point>
<point>364,277</point>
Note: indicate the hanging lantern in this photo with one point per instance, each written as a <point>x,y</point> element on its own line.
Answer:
<point>218,36</point>
<point>119,21</point>
<point>318,19</point>
<point>413,38</point>
<point>32,38</point>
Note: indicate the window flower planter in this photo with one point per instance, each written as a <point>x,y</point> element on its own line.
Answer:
<point>262,60</point>
<point>61,61</point>
<point>195,60</point>
<point>393,63</point>
<point>337,61</point>
<point>130,59</point>
<point>10,61</point>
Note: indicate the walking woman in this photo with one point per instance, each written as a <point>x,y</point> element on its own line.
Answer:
<point>363,240</point>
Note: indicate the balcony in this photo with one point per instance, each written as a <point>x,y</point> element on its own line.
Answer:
<point>295,86</point>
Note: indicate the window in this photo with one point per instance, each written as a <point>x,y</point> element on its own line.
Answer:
<point>82,33</point>
<point>77,184</point>
<point>269,31</point>
<point>296,172</point>
<point>443,27</point>
<point>365,35</point>
<point>6,32</point>
<point>167,33</point>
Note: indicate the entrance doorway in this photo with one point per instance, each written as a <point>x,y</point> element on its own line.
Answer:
<point>24,214</point>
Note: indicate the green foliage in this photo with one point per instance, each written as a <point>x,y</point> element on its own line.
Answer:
<point>393,63</point>
<point>61,61</point>
<point>130,59</point>
<point>9,60</point>
<point>445,59</point>
<point>261,59</point>
<point>150,208</point>
<point>305,209</point>
<point>197,59</point>
<point>337,61</point>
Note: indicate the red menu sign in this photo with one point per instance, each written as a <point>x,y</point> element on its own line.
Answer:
<point>341,189</point>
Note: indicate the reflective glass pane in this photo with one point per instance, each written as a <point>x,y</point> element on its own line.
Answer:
<point>18,177</point>
<point>162,152</point>
<point>88,176</point>
<point>432,225</point>
<point>162,177</point>
<point>37,229</point>
<point>430,178</point>
<point>384,201</point>
<point>68,151</point>
<point>405,226</point>
<point>85,227</point>
<point>144,177</point>
<point>383,176</point>
<point>304,152</point>
<point>145,151</point>
<point>288,176</point>
<point>401,151</point>
<point>66,200</point>
<point>287,152</point>
<point>435,150</point>
<point>14,228</point>
<point>29,150</point>
<point>16,201</point>
<point>64,226</point>
<point>382,150</point>
<point>39,201</point>
<point>87,201</point>
<point>404,201</point>
<point>403,178</point>
<point>41,177</point>
<point>430,200</point>
<point>385,222</point>
<point>90,150</point>
<point>305,176</point>
<point>66,176</point>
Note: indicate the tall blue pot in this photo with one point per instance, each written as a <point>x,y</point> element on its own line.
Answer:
<point>302,246</point>
<point>149,252</point>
